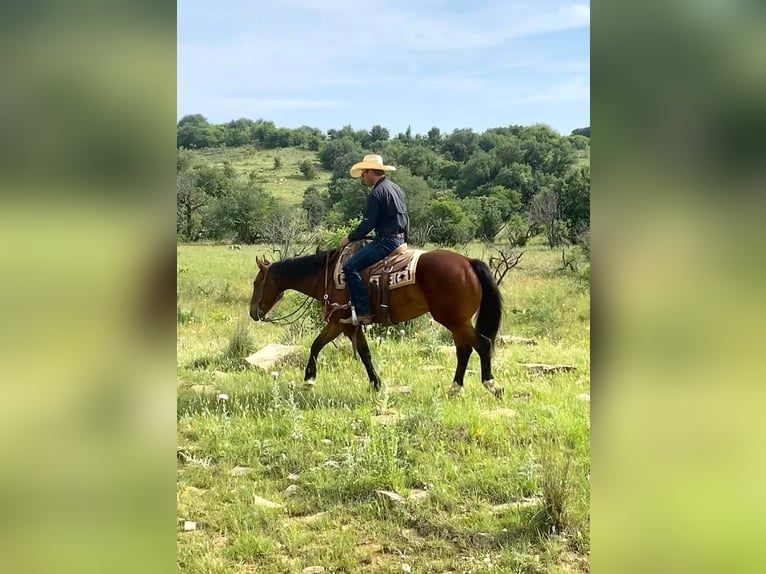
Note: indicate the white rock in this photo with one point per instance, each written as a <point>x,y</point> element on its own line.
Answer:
<point>239,471</point>
<point>189,525</point>
<point>262,502</point>
<point>270,355</point>
<point>292,477</point>
<point>391,496</point>
<point>292,490</point>
<point>313,570</point>
<point>223,397</point>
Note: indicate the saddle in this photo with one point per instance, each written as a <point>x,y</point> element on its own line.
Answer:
<point>395,271</point>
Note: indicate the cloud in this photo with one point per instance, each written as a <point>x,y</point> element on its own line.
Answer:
<point>576,89</point>
<point>280,103</point>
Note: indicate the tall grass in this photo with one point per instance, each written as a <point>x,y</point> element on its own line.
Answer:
<point>504,480</point>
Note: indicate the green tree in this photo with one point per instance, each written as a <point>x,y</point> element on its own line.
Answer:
<point>347,198</point>
<point>486,215</point>
<point>574,196</point>
<point>460,144</point>
<point>189,199</point>
<point>418,195</point>
<point>315,204</point>
<point>378,133</point>
<point>449,223</point>
<point>308,169</point>
<point>241,214</point>
<point>582,132</point>
<point>213,180</point>
<point>194,132</point>
<point>336,148</point>
<point>477,171</point>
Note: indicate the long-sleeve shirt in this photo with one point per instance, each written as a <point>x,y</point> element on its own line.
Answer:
<point>386,211</point>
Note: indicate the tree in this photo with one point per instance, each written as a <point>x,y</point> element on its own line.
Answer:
<point>378,133</point>
<point>460,144</point>
<point>335,148</point>
<point>418,195</point>
<point>574,197</point>
<point>315,205</point>
<point>213,180</point>
<point>287,234</point>
<point>508,201</point>
<point>519,231</point>
<point>347,198</point>
<point>421,160</point>
<point>451,226</point>
<point>189,199</point>
<point>307,169</point>
<point>240,214</point>
<point>545,211</point>
<point>486,215</point>
<point>582,132</point>
<point>479,170</point>
<point>434,137</point>
<point>194,132</point>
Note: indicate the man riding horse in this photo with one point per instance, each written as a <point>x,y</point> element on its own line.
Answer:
<point>386,213</point>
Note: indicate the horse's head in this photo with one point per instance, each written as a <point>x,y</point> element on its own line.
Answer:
<point>265,291</point>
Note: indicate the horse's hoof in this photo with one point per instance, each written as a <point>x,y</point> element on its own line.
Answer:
<point>493,388</point>
<point>308,384</point>
<point>455,390</point>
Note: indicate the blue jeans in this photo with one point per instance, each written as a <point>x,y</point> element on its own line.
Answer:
<point>377,249</point>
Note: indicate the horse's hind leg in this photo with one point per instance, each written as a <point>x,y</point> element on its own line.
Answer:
<point>466,338</point>
<point>330,332</point>
<point>463,354</point>
<point>483,346</point>
<point>364,353</point>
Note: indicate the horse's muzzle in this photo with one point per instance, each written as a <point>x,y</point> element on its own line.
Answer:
<point>256,315</point>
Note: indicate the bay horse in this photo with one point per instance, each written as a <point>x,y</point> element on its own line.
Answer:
<point>450,286</point>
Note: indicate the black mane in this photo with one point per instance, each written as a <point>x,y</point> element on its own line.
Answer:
<point>302,267</point>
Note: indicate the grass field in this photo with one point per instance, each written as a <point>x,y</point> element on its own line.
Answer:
<point>287,183</point>
<point>486,485</point>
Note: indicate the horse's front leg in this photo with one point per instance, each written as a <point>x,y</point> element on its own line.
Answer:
<point>364,353</point>
<point>330,332</point>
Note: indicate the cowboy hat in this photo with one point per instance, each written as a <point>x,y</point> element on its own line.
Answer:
<point>370,162</point>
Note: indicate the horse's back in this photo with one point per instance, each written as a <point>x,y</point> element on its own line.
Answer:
<point>445,285</point>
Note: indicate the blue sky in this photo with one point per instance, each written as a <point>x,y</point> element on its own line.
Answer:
<point>329,63</point>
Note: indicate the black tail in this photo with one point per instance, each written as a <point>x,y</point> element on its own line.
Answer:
<point>491,309</point>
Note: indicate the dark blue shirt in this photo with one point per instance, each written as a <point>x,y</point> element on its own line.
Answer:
<point>386,211</point>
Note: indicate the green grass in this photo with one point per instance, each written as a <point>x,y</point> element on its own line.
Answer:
<point>471,454</point>
<point>286,183</point>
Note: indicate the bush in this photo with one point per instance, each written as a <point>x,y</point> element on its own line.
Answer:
<point>308,169</point>
<point>451,226</point>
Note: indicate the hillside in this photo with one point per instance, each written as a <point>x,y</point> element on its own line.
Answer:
<point>287,183</point>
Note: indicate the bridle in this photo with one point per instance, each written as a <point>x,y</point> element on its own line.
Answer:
<point>304,305</point>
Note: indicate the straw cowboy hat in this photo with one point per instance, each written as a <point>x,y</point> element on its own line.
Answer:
<point>370,162</point>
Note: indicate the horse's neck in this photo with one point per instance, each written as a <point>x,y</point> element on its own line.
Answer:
<point>311,286</point>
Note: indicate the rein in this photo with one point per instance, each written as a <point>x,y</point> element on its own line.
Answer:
<point>305,303</point>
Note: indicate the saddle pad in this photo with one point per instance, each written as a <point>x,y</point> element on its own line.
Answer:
<point>400,266</point>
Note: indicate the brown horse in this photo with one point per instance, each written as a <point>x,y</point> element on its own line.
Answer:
<point>448,285</point>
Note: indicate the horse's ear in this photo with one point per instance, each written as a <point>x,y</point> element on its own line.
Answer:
<point>266,262</point>
<point>317,251</point>
<point>259,263</point>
